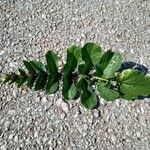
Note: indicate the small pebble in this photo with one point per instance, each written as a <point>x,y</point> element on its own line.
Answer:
<point>36,120</point>
<point>44,100</point>
<point>65,107</point>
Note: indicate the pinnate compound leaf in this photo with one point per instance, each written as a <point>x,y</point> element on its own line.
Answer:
<point>91,51</point>
<point>76,51</point>
<point>130,83</point>
<point>40,81</point>
<point>106,92</point>
<point>109,64</point>
<point>88,97</point>
<point>133,84</point>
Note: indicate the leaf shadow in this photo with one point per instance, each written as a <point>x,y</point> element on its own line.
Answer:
<point>97,105</point>
<point>136,66</point>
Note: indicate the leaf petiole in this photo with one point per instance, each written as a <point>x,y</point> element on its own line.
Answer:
<point>102,79</point>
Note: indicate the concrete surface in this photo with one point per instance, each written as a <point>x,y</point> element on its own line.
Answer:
<point>33,120</point>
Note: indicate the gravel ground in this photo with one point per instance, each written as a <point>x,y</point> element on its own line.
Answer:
<point>33,120</point>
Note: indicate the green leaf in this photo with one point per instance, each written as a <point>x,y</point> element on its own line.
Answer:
<point>7,78</point>
<point>88,97</point>
<point>52,84</point>
<point>82,69</point>
<point>85,68</point>
<point>14,78</point>
<point>53,88</point>
<point>106,58</point>
<point>38,66</point>
<point>107,93</point>
<point>55,58</point>
<point>89,100</point>
<point>69,90</point>
<point>113,66</point>
<point>72,92</point>
<point>91,54</point>
<point>76,51</point>
<point>91,51</point>
<point>30,68</point>
<point>21,80</point>
<point>67,82</point>
<point>71,64</point>
<point>30,81</point>
<point>22,72</point>
<point>51,64</point>
<point>69,68</point>
<point>133,83</point>
<point>109,64</point>
<point>40,81</point>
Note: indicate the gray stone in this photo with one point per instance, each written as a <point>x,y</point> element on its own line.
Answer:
<point>16,138</point>
<point>7,124</point>
<point>11,112</point>
<point>11,136</point>
<point>63,116</point>
<point>58,102</point>
<point>36,120</point>
<point>15,93</point>
<point>3,147</point>
<point>2,52</point>
<point>65,107</point>
<point>36,134</point>
<point>44,100</point>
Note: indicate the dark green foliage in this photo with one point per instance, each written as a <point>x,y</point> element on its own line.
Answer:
<point>40,81</point>
<point>133,83</point>
<point>85,66</point>
<point>29,67</point>
<point>69,68</point>
<point>107,92</point>
<point>91,54</point>
<point>88,97</point>
<point>52,79</point>
<point>38,66</point>
<point>109,64</point>
<point>30,81</point>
